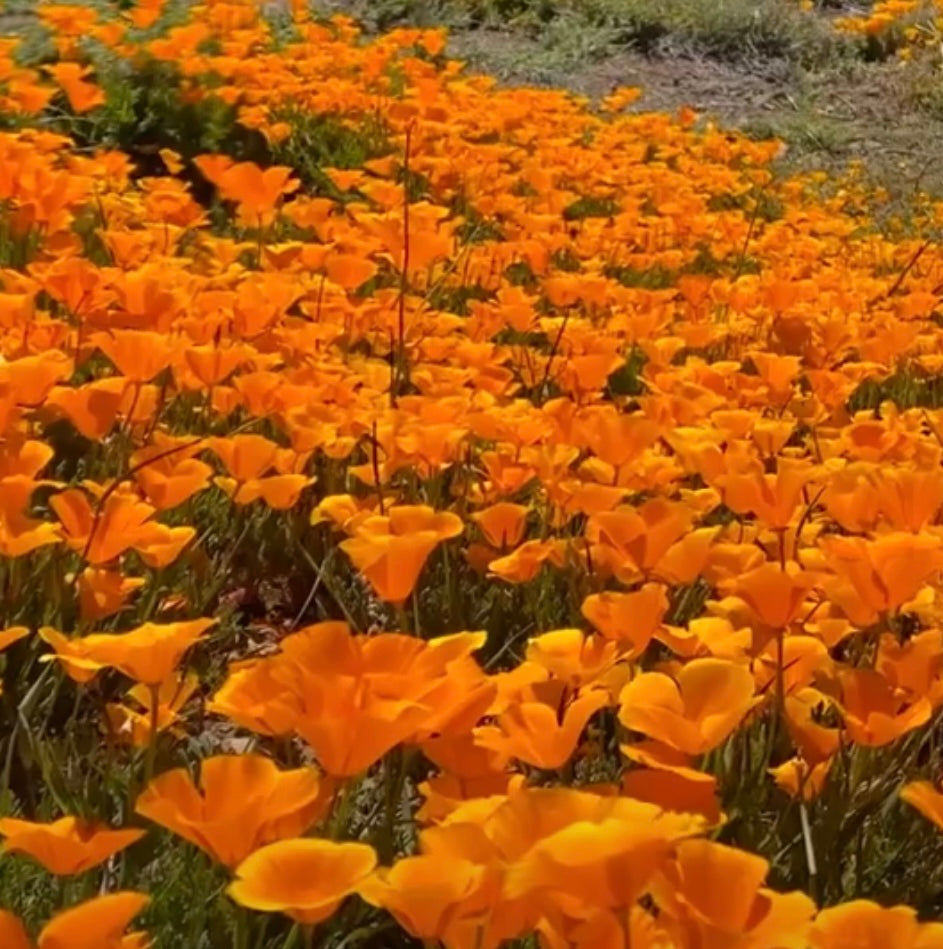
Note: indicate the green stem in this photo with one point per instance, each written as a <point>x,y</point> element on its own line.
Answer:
<point>151,755</point>
<point>241,933</point>
<point>394,770</point>
<point>343,806</point>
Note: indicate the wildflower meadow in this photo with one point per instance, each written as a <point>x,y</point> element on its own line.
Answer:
<point>442,514</point>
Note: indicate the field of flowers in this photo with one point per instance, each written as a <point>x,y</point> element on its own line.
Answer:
<point>438,514</point>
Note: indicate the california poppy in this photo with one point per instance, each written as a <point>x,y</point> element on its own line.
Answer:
<point>869,924</point>
<point>147,654</point>
<point>391,550</point>
<point>429,894</point>
<point>82,94</point>
<point>240,803</point>
<point>306,879</point>
<point>688,896</point>
<point>20,533</point>
<point>103,534</point>
<point>694,712</point>
<point>631,619</point>
<point>98,923</point>
<point>537,734</point>
<point>66,846</point>
<point>145,713</point>
<point>103,592</point>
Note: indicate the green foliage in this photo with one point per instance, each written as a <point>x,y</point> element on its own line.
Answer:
<point>907,388</point>
<point>590,206</point>
<point>726,29</point>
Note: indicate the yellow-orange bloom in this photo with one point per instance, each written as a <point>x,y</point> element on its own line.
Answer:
<point>147,654</point>
<point>96,924</point>
<point>305,879</point>
<point>390,550</point>
<point>68,845</point>
<point>241,803</point>
<point>694,712</point>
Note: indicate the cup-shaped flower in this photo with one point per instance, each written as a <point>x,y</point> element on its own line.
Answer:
<point>147,654</point>
<point>539,734</point>
<point>774,596</point>
<point>241,803</point>
<point>390,550</point>
<point>503,524</point>
<point>427,894</point>
<point>864,923</point>
<point>631,619</point>
<point>305,879</point>
<point>705,914</point>
<point>66,846</point>
<point>694,712</point>
<point>96,924</point>
<point>875,712</point>
<point>135,720</point>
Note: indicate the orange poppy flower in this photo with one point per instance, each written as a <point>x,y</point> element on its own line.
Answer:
<point>242,802</point>
<point>103,536</point>
<point>159,545</point>
<point>168,479</point>
<point>538,734</point>
<point>603,860</point>
<point>773,499</point>
<point>775,596</point>
<point>864,923</point>
<point>212,364</point>
<point>926,798</point>
<point>93,407</point>
<point>693,712</point>
<point>815,741</point>
<point>67,846</point>
<point>304,879</point>
<point>878,576</point>
<point>11,635</point>
<point>96,924</point>
<point>630,541</point>
<point>255,190</point>
<point>631,619</point>
<point>139,355</point>
<point>148,654</point>
<point>910,499</point>
<point>136,723</point>
<point>572,657</point>
<point>429,894</point>
<point>523,564</point>
<point>743,911</point>
<point>349,271</point>
<point>803,657</point>
<point>502,524</point>
<point>103,592</point>
<point>668,780</point>
<point>255,696</point>
<point>390,550</point>
<point>82,95</point>
<point>875,712</point>
<point>19,533</point>
<point>332,709</point>
<point>799,779</point>
<point>248,458</point>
